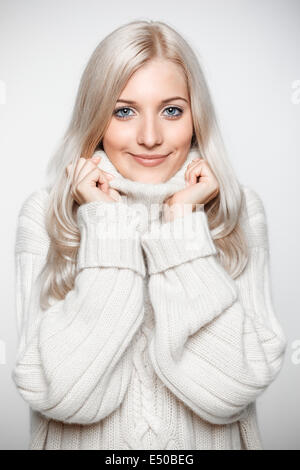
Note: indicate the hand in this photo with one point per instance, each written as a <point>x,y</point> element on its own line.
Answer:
<point>90,183</point>
<point>202,187</point>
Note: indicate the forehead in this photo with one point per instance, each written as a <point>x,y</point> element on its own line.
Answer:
<point>156,80</point>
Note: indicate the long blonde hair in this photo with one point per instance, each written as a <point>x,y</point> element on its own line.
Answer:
<point>109,68</point>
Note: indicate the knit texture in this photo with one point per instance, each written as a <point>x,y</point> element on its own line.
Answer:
<point>156,347</point>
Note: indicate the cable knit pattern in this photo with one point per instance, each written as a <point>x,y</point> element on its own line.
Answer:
<point>149,431</point>
<point>156,347</point>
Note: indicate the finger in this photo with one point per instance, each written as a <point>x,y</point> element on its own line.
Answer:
<point>95,177</point>
<point>191,170</point>
<point>190,166</point>
<point>103,181</point>
<point>77,166</point>
<point>200,171</point>
<point>192,163</point>
<point>114,194</point>
<point>83,168</point>
<point>108,175</point>
<point>96,161</point>
<point>88,165</point>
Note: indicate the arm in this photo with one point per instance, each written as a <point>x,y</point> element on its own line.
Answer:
<point>217,342</point>
<point>74,359</point>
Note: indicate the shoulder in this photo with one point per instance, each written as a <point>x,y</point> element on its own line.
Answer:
<point>253,217</point>
<point>253,202</point>
<point>31,233</point>
<point>35,203</point>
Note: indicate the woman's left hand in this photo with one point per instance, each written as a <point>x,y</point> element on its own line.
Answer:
<point>201,186</point>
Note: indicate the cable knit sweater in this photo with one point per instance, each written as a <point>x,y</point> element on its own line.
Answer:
<point>156,347</point>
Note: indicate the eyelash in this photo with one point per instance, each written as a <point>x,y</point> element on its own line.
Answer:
<point>169,107</point>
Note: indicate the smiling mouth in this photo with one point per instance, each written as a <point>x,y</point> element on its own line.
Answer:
<point>148,160</point>
<point>149,157</point>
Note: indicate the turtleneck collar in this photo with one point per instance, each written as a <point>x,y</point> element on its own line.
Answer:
<point>147,193</point>
<point>150,195</point>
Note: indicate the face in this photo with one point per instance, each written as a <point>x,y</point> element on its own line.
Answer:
<point>152,117</point>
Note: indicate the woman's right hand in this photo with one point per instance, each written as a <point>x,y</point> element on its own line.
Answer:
<point>87,176</point>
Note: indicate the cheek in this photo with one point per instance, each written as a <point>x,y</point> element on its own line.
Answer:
<point>118,134</point>
<point>182,132</point>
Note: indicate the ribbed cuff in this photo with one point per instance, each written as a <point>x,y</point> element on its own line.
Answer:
<point>178,241</point>
<point>109,236</point>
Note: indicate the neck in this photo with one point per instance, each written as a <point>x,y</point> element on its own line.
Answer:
<point>136,192</point>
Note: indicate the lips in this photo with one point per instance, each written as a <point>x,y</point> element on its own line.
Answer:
<point>148,160</point>
<point>144,156</point>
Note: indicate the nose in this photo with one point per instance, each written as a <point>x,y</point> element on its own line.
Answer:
<point>150,132</point>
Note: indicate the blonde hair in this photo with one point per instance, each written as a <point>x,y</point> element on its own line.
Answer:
<point>110,66</point>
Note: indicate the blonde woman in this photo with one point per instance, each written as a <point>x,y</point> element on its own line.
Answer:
<point>144,302</point>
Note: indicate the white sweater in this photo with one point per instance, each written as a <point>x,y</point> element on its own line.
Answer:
<point>156,347</point>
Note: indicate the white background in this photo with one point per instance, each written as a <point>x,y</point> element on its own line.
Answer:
<point>249,51</point>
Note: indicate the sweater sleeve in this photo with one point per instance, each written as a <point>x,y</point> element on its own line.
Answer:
<point>74,360</point>
<point>217,343</point>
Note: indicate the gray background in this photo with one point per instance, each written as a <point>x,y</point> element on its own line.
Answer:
<point>249,50</point>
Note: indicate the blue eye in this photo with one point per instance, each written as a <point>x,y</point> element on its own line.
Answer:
<point>174,107</point>
<point>116,111</point>
<point>172,116</point>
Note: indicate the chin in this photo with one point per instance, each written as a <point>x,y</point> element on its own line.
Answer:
<point>148,179</point>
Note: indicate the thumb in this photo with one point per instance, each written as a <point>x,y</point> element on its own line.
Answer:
<point>108,175</point>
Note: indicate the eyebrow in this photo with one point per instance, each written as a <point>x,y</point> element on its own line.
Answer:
<point>163,101</point>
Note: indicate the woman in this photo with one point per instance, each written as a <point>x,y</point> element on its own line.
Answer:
<point>143,286</point>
